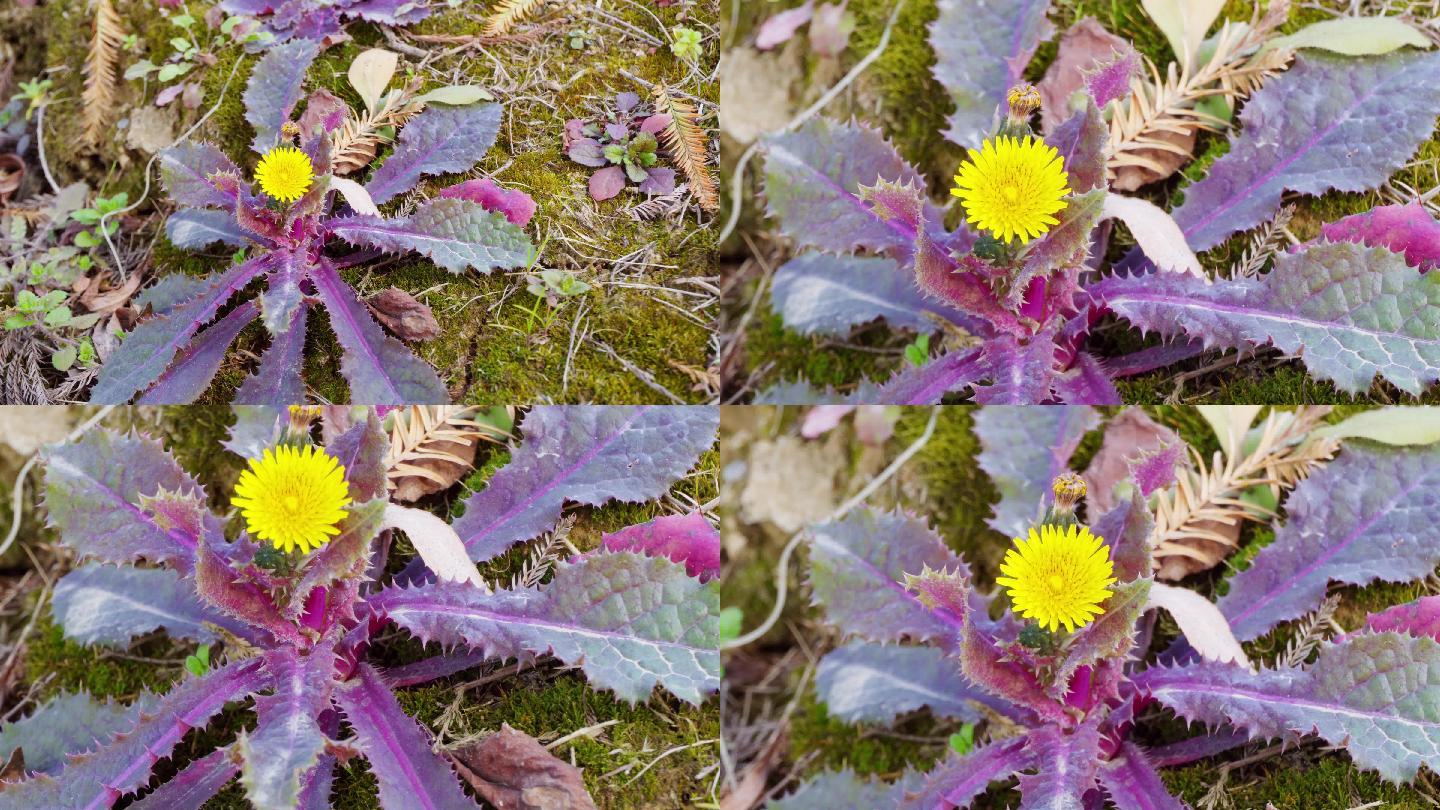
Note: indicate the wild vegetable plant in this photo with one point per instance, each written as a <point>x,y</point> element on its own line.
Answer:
<point>321,20</point>
<point>1067,667</point>
<point>286,224</point>
<point>1023,281</point>
<point>623,144</point>
<point>298,598</point>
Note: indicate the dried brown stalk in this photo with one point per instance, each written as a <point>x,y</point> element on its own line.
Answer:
<point>355,142</point>
<point>688,145</point>
<point>1197,520</point>
<point>100,63</point>
<point>1264,244</point>
<point>1152,132</point>
<point>507,14</point>
<point>431,447</point>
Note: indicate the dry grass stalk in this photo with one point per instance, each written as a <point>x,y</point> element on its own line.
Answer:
<point>100,63</point>
<point>354,144</point>
<point>543,555</point>
<point>507,14</point>
<point>431,447</point>
<point>1197,519</point>
<point>689,147</point>
<point>1310,632</point>
<point>1152,132</point>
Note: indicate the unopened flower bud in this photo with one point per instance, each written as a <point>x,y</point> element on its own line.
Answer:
<point>1024,101</point>
<point>1069,488</point>
<point>290,130</point>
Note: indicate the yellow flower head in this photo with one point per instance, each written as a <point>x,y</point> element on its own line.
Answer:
<point>285,173</point>
<point>1013,188</point>
<point>293,497</point>
<point>1058,576</point>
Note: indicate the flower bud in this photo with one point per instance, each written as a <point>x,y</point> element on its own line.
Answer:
<point>1024,102</point>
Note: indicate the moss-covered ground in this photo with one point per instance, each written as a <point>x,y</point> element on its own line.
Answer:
<point>651,281</point>
<point>899,93</point>
<point>547,702</point>
<point>944,483</point>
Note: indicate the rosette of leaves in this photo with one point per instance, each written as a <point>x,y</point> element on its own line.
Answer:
<point>876,246</point>
<point>919,634</point>
<point>296,636</point>
<point>173,356</point>
<point>623,145</point>
<point>287,20</point>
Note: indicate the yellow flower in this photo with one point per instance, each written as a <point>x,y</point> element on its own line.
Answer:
<point>293,497</point>
<point>285,173</point>
<point>1058,576</point>
<point>1012,187</point>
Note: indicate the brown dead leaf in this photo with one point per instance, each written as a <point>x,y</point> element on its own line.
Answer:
<point>1086,43</point>
<point>513,771</point>
<point>1160,163</point>
<point>432,447</point>
<point>791,482</point>
<point>112,299</point>
<point>404,316</point>
<point>12,173</point>
<point>1127,437</point>
<point>13,769</point>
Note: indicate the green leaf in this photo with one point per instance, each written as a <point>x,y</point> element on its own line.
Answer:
<point>180,44</point>
<point>732,622</point>
<point>174,71</point>
<point>1397,425</point>
<point>919,351</point>
<point>140,69</point>
<point>16,322</point>
<point>182,20</point>
<point>963,741</point>
<point>86,239</point>
<point>1354,36</point>
<point>63,359</point>
<point>85,216</point>
<point>57,317</point>
<point>87,352</point>
<point>456,94</point>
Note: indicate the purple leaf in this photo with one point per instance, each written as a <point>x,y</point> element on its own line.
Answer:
<point>390,13</point>
<point>186,168</point>
<point>361,449</point>
<point>1019,374</point>
<point>224,588</point>
<point>1109,637</point>
<point>275,88</point>
<point>958,780</point>
<point>324,112</point>
<point>398,748</point>
<point>1407,229</point>
<point>1087,382</point>
<point>873,683</point>
<point>816,293</point>
<point>1083,47</point>
<point>631,622</point>
<point>282,298</point>
<point>315,786</point>
<point>587,152</point>
<point>1373,694</point>
<point>454,233</point>
<point>686,539</point>
<point>169,292</point>
<point>1066,245</point>
<point>441,139</point>
<point>927,384</point>
<point>1155,471</point>
<point>1081,142</point>
<point>197,228</point>
<point>606,183</point>
<point>1134,784</point>
<point>256,428</point>
<point>195,785</point>
<point>1111,80</point>
<point>188,377</point>
<point>287,741</point>
<point>981,49</point>
<point>102,604</point>
<point>514,204</point>
<point>277,381</point>
<point>1349,311</point>
<point>1327,123</point>
<point>1126,529</point>
<point>1128,436</point>
<point>779,28</point>
<point>345,557</point>
<point>434,668</point>
<point>658,182</point>
<point>1367,516</point>
<point>66,725</point>
<point>145,354</point>
<point>812,187</point>
<point>1065,766</point>
<point>1418,618</point>
<point>993,669</point>
<point>1023,450</point>
<point>843,790</point>
<point>124,765</point>
<point>857,569</point>
<point>583,455</point>
<point>381,371</point>
<point>626,101</point>
<point>95,489</point>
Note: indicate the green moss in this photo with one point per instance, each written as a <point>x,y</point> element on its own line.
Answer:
<point>1295,780</point>
<point>827,743</point>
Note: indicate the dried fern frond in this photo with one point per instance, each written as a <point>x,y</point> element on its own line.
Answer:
<point>1160,115</point>
<point>659,207</point>
<point>507,14</point>
<point>431,447</point>
<point>1311,632</point>
<point>104,56</point>
<point>543,555</point>
<point>1264,244</point>
<point>353,145</point>
<point>1197,519</point>
<point>688,145</point>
